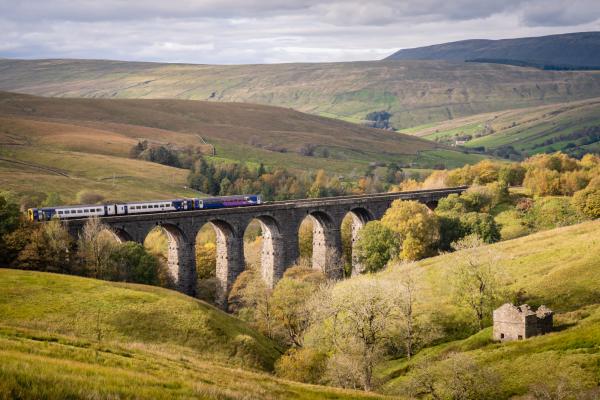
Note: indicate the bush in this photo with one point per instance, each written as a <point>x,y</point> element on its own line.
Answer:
<point>89,197</point>
<point>481,224</point>
<point>587,202</point>
<point>302,365</point>
<point>552,212</point>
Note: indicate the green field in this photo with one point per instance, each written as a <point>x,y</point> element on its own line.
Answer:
<point>559,268</point>
<point>70,337</point>
<point>414,92</point>
<point>526,129</point>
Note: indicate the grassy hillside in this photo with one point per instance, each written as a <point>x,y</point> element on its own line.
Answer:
<point>70,337</point>
<point>414,92</point>
<point>68,145</point>
<point>574,49</point>
<point>528,130</point>
<point>559,268</point>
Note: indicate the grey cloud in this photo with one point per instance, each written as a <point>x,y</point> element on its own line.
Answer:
<point>256,31</point>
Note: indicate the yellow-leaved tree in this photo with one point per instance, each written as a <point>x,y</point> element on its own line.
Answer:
<point>417,227</point>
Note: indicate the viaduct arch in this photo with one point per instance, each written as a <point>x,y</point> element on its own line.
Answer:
<point>280,222</point>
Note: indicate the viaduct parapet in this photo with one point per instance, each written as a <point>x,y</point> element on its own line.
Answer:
<point>280,222</point>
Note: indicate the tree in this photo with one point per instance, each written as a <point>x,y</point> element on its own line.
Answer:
<point>376,246</point>
<point>9,222</point>
<point>132,263</point>
<point>475,278</point>
<point>289,301</point>
<point>458,377</point>
<point>250,299</point>
<point>416,226</point>
<point>48,248</point>
<point>95,247</point>
<point>354,321</point>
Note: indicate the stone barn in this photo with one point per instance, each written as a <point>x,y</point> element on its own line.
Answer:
<point>521,322</point>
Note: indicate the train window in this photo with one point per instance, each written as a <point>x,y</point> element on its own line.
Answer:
<point>60,212</point>
<point>79,211</point>
<point>144,206</point>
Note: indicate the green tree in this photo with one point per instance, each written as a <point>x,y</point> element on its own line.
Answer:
<point>132,263</point>
<point>303,365</point>
<point>376,246</point>
<point>10,219</point>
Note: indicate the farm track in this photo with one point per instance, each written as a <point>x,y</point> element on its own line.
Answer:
<point>40,167</point>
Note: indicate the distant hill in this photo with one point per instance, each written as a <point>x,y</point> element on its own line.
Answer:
<point>68,145</point>
<point>570,127</point>
<point>571,50</point>
<point>412,92</point>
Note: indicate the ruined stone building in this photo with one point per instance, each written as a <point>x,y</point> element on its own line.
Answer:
<point>521,322</point>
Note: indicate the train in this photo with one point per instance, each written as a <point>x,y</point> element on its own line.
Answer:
<point>142,207</point>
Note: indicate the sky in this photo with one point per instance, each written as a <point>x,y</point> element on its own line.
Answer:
<point>271,31</point>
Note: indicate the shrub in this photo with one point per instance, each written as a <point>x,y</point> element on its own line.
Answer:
<point>587,202</point>
<point>302,365</point>
<point>89,197</point>
<point>552,212</point>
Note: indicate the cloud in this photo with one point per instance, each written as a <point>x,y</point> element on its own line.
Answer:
<point>257,31</point>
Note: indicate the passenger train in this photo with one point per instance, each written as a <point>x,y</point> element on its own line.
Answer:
<point>142,207</point>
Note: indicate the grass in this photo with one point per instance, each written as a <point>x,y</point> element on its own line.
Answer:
<point>70,145</point>
<point>571,354</point>
<point>414,92</point>
<point>70,337</point>
<point>526,129</point>
<point>559,268</point>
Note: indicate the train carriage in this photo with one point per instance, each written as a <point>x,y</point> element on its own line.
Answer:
<point>141,207</point>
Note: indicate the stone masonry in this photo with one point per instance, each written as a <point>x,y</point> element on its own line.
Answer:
<point>518,323</point>
<point>280,223</point>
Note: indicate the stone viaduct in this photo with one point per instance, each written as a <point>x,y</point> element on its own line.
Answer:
<point>280,222</point>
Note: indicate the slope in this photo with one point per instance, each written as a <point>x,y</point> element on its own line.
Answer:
<point>567,126</point>
<point>570,49</point>
<point>70,145</point>
<point>414,92</point>
<point>559,268</point>
<point>70,337</point>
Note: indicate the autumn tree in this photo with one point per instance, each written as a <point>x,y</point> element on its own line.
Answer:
<point>49,248</point>
<point>587,201</point>
<point>250,299</point>
<point>289,301</point>
<point>95,247</point>
<point>416,226</point>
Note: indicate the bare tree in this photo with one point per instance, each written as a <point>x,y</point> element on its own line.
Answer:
<point>96,247</point>
<point>476,277</point>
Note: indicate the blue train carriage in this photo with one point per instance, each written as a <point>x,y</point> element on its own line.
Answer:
<point>230,201</point>
<point>66,212</point>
